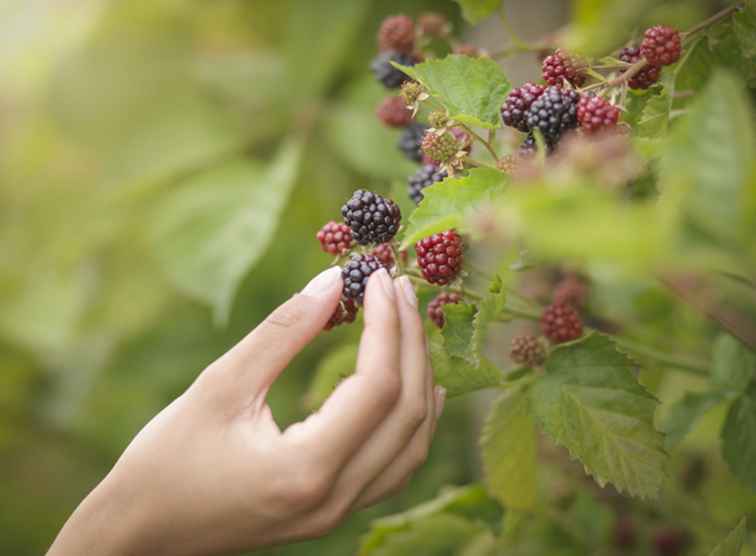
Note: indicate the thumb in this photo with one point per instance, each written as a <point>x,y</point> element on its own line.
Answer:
<point>252,365</point>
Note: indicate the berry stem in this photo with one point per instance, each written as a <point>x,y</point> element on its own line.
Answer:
<point>480,139</point>
<point>716,18</point>
<point>460,290</point>
<point>670,359</point>
<point>477,163</point>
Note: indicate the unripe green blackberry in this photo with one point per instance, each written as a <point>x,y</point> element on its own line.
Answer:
<point>438,119</point>
<point>372,218</point>
<point>528,350</point>
<point>439,145</point>
<point>412,92</point>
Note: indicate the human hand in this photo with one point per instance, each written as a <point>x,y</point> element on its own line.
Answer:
<point>213,474</point>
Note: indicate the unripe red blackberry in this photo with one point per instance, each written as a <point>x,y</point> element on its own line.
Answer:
<point>553,113</point>
<point>561,66</point>
<point>661,45</point>
<point>528,350</point>
<point>425,176</point>
<point>436,306</point>
<point>345,313</point>
<point>571,290</point>
<point>393,112</point>
<point>561,323</point>
<point>433,24</point>
<point>356,274</point>
<point>397,33</point>
<point>410,141</point>
<point>645,77</point>
<point>440,257</point>
<point>372,218</point>
<point>625,534</point>
<point>335,238</point>
<point>670,541</point>
<point>385,254</point>
<point>388,75</point>
<point>596,114</point>
<point>515,108</point>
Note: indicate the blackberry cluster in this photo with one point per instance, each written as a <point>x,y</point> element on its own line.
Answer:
<point>439,145</point>
<point>528,350</point>
<point>661,45</point>
<point>436,306</point>
<point>596,114</point>
<point>515,108</point>
<point>410,141</point>
<point>561,66</point>
<point>425,176</point>
<point>561,323</point>
<point>440,257</point>
<point>644,78</point>
<point>356,274</point>
<point>393,112</point>
<point>554,112</point>
<point>345,313</point>
<point>372,218</point>
<point>397,33</point>
<point>335,238</point>
<point>388,75</point>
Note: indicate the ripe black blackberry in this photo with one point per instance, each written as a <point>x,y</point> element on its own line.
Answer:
<point>515,108</point>
<point>356,274</point>
<point>596,114</point>
<point>561,323</point>
<point>393,112</point>
<point>661,45</point>
<point>440,257</point>
<point>397,33</point>
<point>561,66</point>
<point>645,77</point>
<point>436,306</point>
<point>425,176</point>
<point>528,350</point>
<point>335,238</point>
<point>372,218</point>
<point>554,112</point>
<point>387,74</point>
<point>410,141</point>
<point>345,313</point>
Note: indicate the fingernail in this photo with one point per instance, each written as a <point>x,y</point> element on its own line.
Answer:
<point>323,283</point>
<point>440,392</point>
<point>386,282</point>
<point>408,290</point>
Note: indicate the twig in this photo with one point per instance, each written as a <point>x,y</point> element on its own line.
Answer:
<point>460,290</point>
<point>670,359</point>
<point>716,18</point>
<point>481,140</point>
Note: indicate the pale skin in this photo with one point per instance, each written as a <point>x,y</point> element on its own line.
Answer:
<point>212,474</point>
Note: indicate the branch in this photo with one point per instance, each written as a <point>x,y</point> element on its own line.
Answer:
<point>716,18</point>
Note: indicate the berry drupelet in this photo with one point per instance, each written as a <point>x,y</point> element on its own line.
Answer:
<point>385,254</point>
<point>561,323</point>
<point>561,66</point>
<point>436,306</point>
<point>393,112</point>
<point>388,75</point>
<point>515,108</point>
<point>661,45</point>
<point>528,350</point>
<point>335,238</point>
<point>644,78</point>
<point>397,33</point>
<point>425,176</point>
<point>356,274</point>
<point>596,114</point>
<point>372,218</point>
<point>410,141</point>
<point>440,257</point>
<point>345,313</point>
<point>553,113</point>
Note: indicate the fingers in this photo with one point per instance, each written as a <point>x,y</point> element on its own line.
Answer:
<point>251,366</point>
<point>361,402</point>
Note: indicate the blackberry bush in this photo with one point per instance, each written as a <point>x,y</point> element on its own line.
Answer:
<point>372,218</point>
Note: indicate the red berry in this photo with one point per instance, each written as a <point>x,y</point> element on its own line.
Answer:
<point>528,350</point>
<point>670,541</point>
<point>436,306</point>
<point>440,257</point>
<point>596,114</point>
<point>645,77</point>
<point>561,66</point>
<point>625,534</point>
<point>397,33</point>
<point>345,313</point>
<point>393,112</point>
<point>661,45</point>
<point>515,109</point>
<point>433,24</point>
<point>335,238</point>
<point>385,254</point>
<point>571,290</point>
<point>561,323</point>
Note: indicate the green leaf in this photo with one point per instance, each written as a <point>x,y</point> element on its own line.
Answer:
<point>471,89</point>
<point>733,543</point>
<point>439,535</point>
<point>739,438</point>
<point>685,412</point>
<point>590,401</point>
<point>508,443</point>
<point>458,375</point>
<point>734,365</point>
<point>488,310</point>
<point>654,118</point>
<point>694,70</point>
<point>458,331</point>
<point>475,11</point>
<point>331,370</point>
<point>209,231</point>
<point>446,204</point>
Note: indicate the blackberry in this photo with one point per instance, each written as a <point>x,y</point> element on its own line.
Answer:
<point>625,535</point>
<point>387,74</point>
<point>645,77</point>
<point>436,306</point>
<point>433,24</point>
<point>425,176</point>
<point>335,238</point>
<point>412,92</point>
<point>356,274</point>
<point>554,112</point>
<point>397,33</point>
<point>439,145</point>
<point>661,45</point>
<point>596,114</point>
<point>440,257</point>
<point>561,323</point>
<point>372,218</point>
<point>528,350</point>
<point>385,254</point>
<point>670,541</point>
<point>393,112</point>
<point>438,119</point>
<point>561,66</point>
<point>571,290</point>
<point>345,313</point>
<point>515,108</point>
<point>528,147</point>
<point>410,141</point>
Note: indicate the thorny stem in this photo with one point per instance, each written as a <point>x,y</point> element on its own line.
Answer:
<point>716,18</point>
<point>481,140</point>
